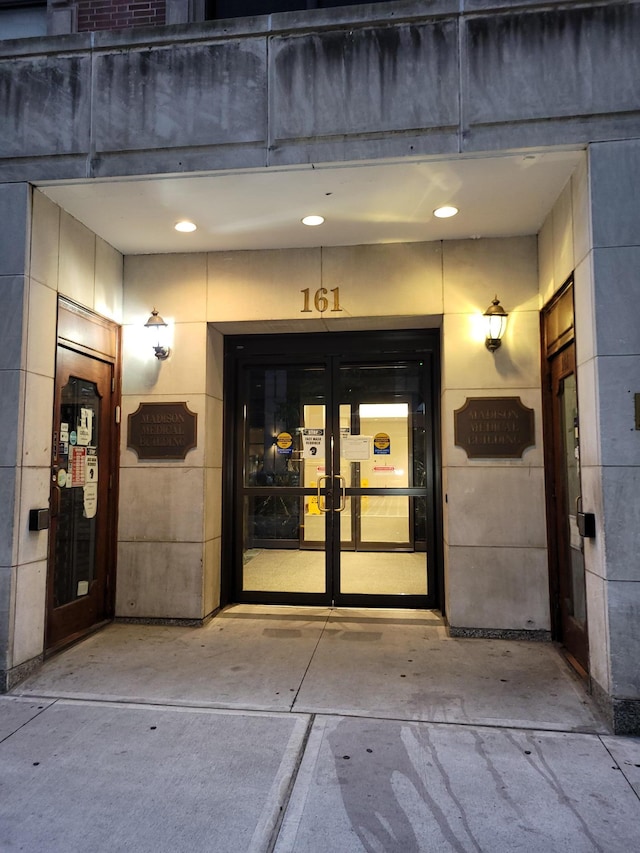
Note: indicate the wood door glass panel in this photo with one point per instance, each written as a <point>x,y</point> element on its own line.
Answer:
<point>78,438</point>
<point>573,584</point>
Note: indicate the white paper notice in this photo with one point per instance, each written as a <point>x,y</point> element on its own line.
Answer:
<point>91,469</point>
<point>355,448</point>
<point>85,429</point>
<point>90,500</point>
<point>313,443</point>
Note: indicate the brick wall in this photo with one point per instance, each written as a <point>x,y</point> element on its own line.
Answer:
<point>116,14</point>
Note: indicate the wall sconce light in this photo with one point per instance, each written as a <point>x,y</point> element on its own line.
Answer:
<point>496,324</point>
<point>158,330</point>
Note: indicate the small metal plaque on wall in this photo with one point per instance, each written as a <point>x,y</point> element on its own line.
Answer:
<point>162,431</point>
<point>494,427</point>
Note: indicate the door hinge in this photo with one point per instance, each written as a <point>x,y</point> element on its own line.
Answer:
<point>117,414</point>
<point>113,384</point>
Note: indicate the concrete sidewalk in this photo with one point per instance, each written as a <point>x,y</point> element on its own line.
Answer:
<point>311,730</point>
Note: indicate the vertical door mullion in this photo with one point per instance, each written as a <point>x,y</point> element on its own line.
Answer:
<point>333,517</point>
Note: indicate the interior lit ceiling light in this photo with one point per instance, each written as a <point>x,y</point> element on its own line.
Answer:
<point>185,226</point>
<point>313,220</point>
<point>445,211</point>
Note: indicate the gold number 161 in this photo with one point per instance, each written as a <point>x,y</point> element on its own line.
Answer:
<point>320,300</point>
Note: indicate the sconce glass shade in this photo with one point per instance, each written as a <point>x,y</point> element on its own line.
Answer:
<point>496,324</point>
<point>158,329</point>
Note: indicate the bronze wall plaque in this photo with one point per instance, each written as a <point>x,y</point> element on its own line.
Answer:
<point>494,427</point>
<point>162,431</point>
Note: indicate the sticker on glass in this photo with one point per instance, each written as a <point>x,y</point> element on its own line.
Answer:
<point>284,442</point>
<point>62,478</point>
<point>78,465</point>
<point>313,443</point>
<point>91,473</point>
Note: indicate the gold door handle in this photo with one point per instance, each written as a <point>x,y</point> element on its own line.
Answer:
<point>321,505</point>
<point>343,493</point>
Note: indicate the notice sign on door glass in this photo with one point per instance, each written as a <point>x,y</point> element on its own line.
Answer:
<point>78,465</point>
<point>313,443</point>
<point>91,472</point>
<point>90,499</point>
<point>355,448</point>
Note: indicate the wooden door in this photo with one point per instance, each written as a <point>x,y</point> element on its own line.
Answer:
<point>563,481</point>
<point>81,564</point>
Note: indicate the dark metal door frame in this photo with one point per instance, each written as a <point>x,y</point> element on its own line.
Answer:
<point>332,351</point>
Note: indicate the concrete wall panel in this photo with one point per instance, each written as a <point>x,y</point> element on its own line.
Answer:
<point>621,522</point>
<point>549,64</point>
<point>36,448</point>
<point>14,200</point>
<point>400,279</point>
<point>498,507</point>
<point>498,588</point>
<point>8,518</point>
<point>624,625</point>
<point>581,212</point>
<point>108,288</point>
<point>616,208</point>
<point>171,503</point>
<point>12,383</point>
<point>12,294</point>
<point>260,285</point>
<point>400,78</point>
<point>45,240</point>
<point>469,365</point>
<point>76,276</point>
<point>598,625</point>
<point>182,373</point>
<point>618,381</point>
<point>31,583</point>
<point>53,118</point>
<point>160,580</point>
<point>617,271</point>
<point>181,96</point>
<point>41,332</point>
<point>34,492</point>
<point>174,284</point>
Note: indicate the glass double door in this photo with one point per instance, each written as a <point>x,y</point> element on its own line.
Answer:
<point>335,463</point>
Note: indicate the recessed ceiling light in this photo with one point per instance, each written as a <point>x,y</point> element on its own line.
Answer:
<point>185,226</point>
<point>445,212</point>
<point>313,220</point>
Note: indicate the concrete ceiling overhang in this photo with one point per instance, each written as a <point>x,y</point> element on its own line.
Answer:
<point>363,203</point>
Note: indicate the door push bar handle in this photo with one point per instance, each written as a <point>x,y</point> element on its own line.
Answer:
<point>321,505</point>
<point>343,493</point>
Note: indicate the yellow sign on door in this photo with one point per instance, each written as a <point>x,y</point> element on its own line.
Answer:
<point>284,442</point>
<point>381,443</point>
